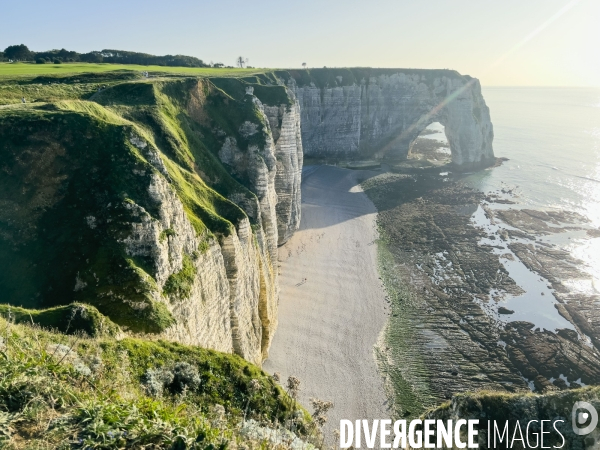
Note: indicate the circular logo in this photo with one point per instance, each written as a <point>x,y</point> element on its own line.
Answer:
<point>582,412</point>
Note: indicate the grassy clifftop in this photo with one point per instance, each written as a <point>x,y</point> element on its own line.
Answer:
<point>28,69</point>
<point>347,76</point>
<point>59,391</point>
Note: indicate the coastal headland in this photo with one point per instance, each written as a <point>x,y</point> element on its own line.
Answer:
<point>175,208</point>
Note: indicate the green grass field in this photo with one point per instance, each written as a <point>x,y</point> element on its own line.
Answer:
<point>24,69</point>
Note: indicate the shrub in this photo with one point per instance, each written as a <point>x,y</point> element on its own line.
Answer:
<point>182,377</point>
<point>204,246</point>
<point>165,234</point>
<point>185,377</point>
<point>155,381</point>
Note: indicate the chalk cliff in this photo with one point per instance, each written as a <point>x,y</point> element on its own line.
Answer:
<point>358,113</point>
<point>232,300</point>
<point>289,156</point>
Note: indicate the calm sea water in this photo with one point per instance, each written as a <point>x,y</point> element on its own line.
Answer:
<point>552,139</point>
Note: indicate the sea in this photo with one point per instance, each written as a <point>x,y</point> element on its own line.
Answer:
<point>551,137</point>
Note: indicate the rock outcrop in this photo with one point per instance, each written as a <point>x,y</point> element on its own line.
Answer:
<point>232,304</point>
<point>512,420</point>
<point>358,113</point>
<point>230,301</point>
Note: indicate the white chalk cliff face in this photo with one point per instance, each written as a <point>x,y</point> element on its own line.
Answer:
<point>232,304</point>
<point>203,317</point>
<point>383,114</point>
<point>289,156</point>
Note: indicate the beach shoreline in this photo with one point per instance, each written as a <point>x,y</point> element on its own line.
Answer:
<point>332,303</point>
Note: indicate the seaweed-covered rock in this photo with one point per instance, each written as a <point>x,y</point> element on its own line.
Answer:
<point>557,408</point>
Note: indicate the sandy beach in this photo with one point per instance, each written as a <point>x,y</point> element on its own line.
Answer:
<point>332,303</point>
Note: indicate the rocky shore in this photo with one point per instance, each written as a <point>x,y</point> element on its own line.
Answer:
<point>478,300</point>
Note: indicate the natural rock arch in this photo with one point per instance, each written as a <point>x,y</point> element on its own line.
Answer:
<point>379,112</point>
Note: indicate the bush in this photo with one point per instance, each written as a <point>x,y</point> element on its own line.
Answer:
<point>40,61</point>
<point>183,376</point>
<point>57,61</point>
<point>155,381</point>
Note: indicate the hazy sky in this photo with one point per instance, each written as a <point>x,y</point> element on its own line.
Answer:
<point>502,42</point>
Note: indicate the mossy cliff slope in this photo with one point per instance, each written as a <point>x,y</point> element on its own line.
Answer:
<point>160,202</point>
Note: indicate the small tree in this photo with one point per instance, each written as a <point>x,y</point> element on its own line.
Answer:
<point>304,65</point>
<point>241,61</point>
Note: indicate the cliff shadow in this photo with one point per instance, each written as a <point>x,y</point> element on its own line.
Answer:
<point>333,195</point>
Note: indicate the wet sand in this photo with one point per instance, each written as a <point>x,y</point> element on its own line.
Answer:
<point>332,303</point>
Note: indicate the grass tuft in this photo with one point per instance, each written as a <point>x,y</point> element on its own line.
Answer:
<point>69,319</point>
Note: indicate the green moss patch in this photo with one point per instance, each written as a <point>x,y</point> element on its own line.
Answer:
<point>165,234</point>
<point>70,319</point>
<point>180,284</point>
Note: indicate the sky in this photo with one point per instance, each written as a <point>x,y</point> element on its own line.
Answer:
<point>501,42</point>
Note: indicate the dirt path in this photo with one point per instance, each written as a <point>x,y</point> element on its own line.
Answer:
<point>329,323</point>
